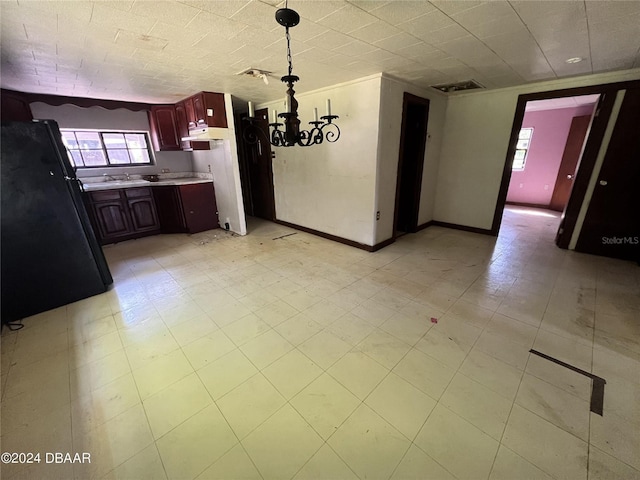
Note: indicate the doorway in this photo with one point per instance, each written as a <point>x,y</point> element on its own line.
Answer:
<point>548,151</point>
<point>595,147</point>
<point>256,173</point>
<point>413,138</point>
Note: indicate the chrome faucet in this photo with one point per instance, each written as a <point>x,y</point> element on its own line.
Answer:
<point>128,177</point>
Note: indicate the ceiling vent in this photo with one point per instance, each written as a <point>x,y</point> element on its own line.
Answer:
<point>459,86</point>
<point>256,73</point>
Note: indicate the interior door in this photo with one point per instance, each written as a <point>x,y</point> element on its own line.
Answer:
<point>612,224</point>
<point>569,162</point>
<point>259,170</point>
<point>413,139</point>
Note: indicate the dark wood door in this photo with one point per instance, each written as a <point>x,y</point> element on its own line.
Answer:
<point>169,209</point>
<point>569,162</point>
<point>164,127</point>
<point>183,125</point>
<point>143,214</point>
<point>199,109</point>
<point>190,112</point>
<point>612,225</point>
<point>112,220</point>
<point>14,107</point>
<point>260,171</point>
<point>413,138</point>
<point>199,207</point>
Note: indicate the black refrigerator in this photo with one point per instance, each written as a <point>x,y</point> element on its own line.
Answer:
<point>49,254</point>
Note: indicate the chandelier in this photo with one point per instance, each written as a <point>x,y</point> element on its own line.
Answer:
<point>291,134</point>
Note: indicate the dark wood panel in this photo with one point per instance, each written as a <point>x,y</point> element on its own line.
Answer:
<point>112,221</point>
<point>612,226</point>
<point>199,207</point>
<point>137,192</point>
<point>143,214</point>
<point>105,195</point>
<point>164,128</point>
<point>569,162</point>
<point>14,107</point>
<point>169,209</point>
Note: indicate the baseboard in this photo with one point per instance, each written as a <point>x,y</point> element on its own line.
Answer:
<point>335,238</point>
<point>483,231</point>
<point>531,205</point>
<point>424,225</point>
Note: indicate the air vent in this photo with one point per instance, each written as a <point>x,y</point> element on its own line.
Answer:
<point>256,73</point>
<point>456,87</point>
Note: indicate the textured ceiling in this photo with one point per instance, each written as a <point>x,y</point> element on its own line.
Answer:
<point>162,51</point>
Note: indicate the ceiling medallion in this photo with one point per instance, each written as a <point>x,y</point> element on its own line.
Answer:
<point>292,134</point>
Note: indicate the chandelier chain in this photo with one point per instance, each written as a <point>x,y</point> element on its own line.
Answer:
<point>289,59</point>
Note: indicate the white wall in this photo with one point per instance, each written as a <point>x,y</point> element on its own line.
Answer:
<point>474,147</point>
<point>222,162</point>
<point>72,116</point>
<point>332,187</point>
<point>392,94</point>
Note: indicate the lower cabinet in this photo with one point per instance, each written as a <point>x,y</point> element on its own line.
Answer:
<point>186,208</point>
<point>122,214</point>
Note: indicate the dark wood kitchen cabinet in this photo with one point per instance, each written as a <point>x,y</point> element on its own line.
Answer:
<point>14,107</point>
<point>164,128</point>
<point>186,208</point>
<point>122,214</point>
<point>207,110</point>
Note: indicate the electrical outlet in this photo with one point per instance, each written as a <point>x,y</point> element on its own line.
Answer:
<point>209,166</point>
<point>378,215</point>
<point>546,187</point>
<point>521,185</point>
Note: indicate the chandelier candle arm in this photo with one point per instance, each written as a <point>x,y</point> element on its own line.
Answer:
<point>292,134</point>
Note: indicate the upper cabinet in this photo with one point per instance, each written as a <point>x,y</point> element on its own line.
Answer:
<point>208,110</point>
<point>164,128</point>
<point>14,107</point>
<point>171,123</point>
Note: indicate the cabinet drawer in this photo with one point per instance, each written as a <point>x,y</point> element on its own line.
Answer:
<point>137,192</point>
<point>105,195</point>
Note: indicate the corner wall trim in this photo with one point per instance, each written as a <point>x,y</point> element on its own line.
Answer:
<point>335,238</point>
<point>424,225</point>
<point>483,231</point>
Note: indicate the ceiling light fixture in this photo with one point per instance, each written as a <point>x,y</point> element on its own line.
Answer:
<point>574,60</point>
<point>292,135</point>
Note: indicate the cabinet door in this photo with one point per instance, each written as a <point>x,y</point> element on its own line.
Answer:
<point>169,208</point>
<point>164,127</point>
<point>112,220</point>
<point>199,207</point>
<point>214,110</point>
<point>200,114</point>
<point>143,214</point>
<point>192,121</point>
<point>14,108</point>
<point>183,127</point>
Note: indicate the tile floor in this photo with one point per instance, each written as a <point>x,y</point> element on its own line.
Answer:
<point>224,357</point>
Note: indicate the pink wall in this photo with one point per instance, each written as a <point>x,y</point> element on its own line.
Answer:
<point>550,132</point>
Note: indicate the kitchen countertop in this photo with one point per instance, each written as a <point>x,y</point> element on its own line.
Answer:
<point>112,185</point>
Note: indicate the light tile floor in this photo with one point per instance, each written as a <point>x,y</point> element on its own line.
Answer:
<point>225,357</point>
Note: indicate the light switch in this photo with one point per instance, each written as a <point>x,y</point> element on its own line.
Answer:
<point>209,112</point>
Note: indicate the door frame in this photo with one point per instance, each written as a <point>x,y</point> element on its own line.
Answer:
<point>244,152</point>
<point>417,193</point>
<point>587,162</point>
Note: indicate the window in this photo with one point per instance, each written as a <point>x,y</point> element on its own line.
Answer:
<point>88,149</point>
<point>522,148</point>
